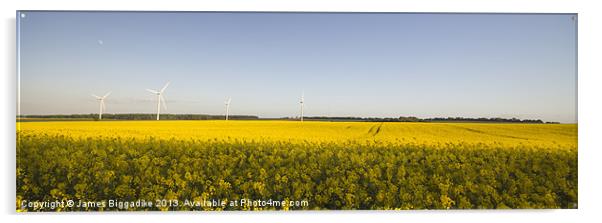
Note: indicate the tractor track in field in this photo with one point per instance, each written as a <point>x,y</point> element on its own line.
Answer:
<point>486,133</point>
<point>375,129</point>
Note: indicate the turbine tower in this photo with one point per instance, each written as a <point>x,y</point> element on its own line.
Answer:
<point>302,94</point>
<point>227,103</point>
<point>102,104</point>
<point>160,99</point>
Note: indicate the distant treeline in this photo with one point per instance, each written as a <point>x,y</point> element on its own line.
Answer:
<point>253,117</point>
<point>145,116</point>
<point>355,119</point>
<point>416,119</point>
<point>462,119</point>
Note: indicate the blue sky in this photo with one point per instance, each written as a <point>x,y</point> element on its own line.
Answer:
<point>348,64</point>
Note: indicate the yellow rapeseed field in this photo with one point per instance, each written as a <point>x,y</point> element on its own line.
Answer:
<point>319,165</point>
<point>428,134</point>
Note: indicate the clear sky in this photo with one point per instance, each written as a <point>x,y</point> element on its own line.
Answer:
<point>348,64</point>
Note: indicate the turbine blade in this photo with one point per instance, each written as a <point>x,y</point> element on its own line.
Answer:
<point>152,91</point>
<point>102,104</point>
<point>93,95</point>
<point>163,102</point>
<point>164,87</point>
<point>106,95</point>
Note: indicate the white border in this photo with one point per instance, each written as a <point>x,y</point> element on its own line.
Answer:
<point>589,108</point>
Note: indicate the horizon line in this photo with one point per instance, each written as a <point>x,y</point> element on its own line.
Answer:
<point>305,116</point>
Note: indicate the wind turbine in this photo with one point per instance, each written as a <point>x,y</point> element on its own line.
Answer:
<point>227,103</point>
<point>160,98</point>
<point>102,103</point>
<point>302,94</point>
